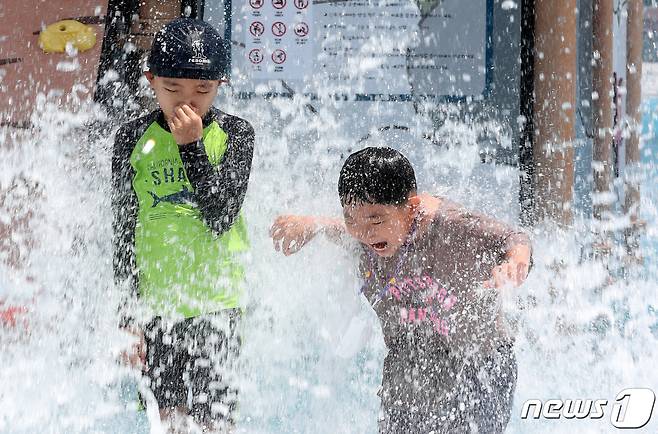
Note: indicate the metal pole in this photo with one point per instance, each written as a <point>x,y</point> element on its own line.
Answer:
<point>555,102</point>
<point>526,166</point>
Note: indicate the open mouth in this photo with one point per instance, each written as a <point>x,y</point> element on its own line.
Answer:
<point>379,247</point>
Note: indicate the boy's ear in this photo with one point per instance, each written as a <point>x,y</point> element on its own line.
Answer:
<point>149,76</point>
<point>413,199</point>
<point>413,202</point>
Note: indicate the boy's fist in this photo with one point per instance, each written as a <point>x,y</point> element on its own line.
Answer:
<point>290,233</point>
<point>186,125</point>
<point>513,271</point>
<point>135,357</point>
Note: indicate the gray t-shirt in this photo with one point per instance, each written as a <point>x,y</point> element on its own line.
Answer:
<point>434,313</point>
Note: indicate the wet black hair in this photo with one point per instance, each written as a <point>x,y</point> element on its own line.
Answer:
<point>377,176</point>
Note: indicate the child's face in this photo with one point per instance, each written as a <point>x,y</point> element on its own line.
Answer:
<point>172,93</point>
<point>383,228</point>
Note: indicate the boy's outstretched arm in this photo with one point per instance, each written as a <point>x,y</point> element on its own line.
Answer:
<point>220,190</point>
<point>510,245</point>
<point>292,232</point>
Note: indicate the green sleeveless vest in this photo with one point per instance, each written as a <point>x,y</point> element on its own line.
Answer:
<point>184,268</point>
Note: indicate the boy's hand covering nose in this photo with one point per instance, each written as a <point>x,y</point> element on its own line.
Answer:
<point>290,233</point>
<point>513,271</point>
<point>186,125</point>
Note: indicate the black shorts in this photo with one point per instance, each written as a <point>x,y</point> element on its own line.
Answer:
<point>191,364</point>
<point>482,403</point>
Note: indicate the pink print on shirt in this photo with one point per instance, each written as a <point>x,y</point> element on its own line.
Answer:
<point>418,315</point>
<point>436,301</point>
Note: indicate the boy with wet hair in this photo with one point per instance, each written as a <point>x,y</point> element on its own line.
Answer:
<point>179,178</point>
<point>432,271</point>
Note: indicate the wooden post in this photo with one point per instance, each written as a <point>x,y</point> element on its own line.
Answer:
<point>634,43</point>
<point>555,102</point>
<point>602,101</point>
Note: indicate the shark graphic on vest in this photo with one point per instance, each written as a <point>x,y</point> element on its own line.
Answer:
<point>184,196</point>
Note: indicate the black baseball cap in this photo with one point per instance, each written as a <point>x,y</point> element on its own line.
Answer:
<point>189,48</point>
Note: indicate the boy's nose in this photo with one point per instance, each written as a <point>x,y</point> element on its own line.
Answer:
<point>190,104</point>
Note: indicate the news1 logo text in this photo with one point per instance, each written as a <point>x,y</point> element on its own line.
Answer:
<point>632,408</point>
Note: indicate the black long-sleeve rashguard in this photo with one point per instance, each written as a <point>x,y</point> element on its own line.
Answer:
<point>177,223</point>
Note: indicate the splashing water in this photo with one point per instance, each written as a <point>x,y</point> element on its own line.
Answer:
<point>582,334</point>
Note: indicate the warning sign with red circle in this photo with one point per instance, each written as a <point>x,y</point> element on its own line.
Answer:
<point>257,29</point>
<point>301,4</point>
<point>279,29</point>
<point>301,29</point>
<point>256,56</point>
<point>276,34</point>
<point>279,4</point>
<point>279,56</point>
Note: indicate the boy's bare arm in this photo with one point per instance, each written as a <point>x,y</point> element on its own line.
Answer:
<point>292,232</point>
<point>513,246</point>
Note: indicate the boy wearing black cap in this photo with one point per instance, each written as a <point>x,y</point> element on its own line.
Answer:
<point>179,178</point>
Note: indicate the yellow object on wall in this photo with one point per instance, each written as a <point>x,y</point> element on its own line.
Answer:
<point>53,39</point>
